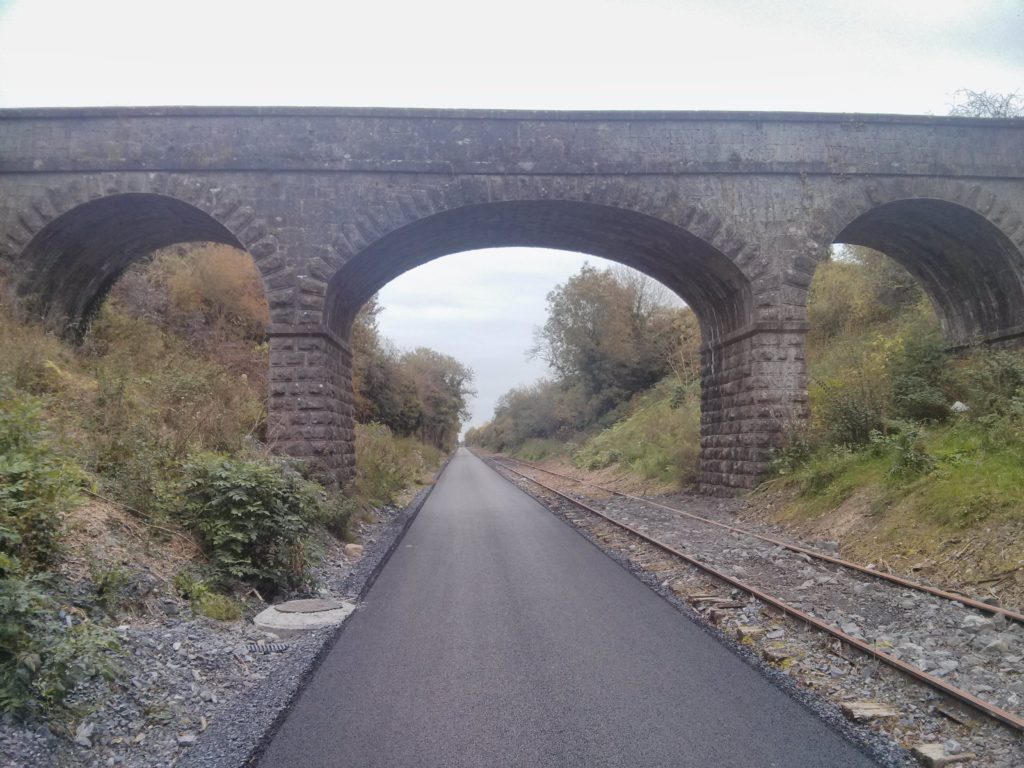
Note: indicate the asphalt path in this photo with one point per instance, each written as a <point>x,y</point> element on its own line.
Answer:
<point>498,636</point>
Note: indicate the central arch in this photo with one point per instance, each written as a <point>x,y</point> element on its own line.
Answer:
<point>743,417</point>
<point>704,277</point>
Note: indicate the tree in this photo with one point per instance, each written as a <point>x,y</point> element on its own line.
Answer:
<point>609,334</point>
<point>444,386</point>
<point>984,104</point>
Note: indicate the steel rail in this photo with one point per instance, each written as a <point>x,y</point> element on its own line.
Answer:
<point>991,710</point>
<point>954,596</point>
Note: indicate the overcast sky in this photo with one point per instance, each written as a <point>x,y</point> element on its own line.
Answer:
<point>904,56</point>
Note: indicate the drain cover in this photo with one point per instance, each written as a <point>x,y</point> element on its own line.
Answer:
<point>308,606</point>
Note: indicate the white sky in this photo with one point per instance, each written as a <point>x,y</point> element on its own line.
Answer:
<point>904,56</point>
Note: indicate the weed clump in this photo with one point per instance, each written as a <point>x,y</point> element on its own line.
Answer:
<point>206,600</point>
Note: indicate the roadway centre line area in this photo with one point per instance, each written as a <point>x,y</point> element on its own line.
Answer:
<point>497,636</point>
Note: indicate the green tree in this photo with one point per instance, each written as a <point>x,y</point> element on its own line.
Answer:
<point>609,334</point>
<point>444,386</point>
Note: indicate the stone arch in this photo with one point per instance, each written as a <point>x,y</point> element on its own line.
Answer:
<point>708,280</point>
<point>78,217</point>
<point>752,364</point>
<point>964,247</point>
<point>73,261</point>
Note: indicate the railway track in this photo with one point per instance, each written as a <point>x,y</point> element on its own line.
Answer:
<point>980,605</point>
<point>851,592</point>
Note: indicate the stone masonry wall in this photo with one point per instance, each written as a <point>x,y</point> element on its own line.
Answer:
<point>753,393</point>
<point>310,407</point>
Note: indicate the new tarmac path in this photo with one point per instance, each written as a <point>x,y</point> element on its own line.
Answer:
<point>498,636</point>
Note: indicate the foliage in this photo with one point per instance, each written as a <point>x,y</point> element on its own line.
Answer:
<point>205,599</point>
<point>881,388</point>
<point>206,293</point>
<point>36,483</point>
<point>154,401</point>
<point>907,451</point>
<point>539,448</point>
<point>385,464</point>
<point>444,386</point>
<point>109,584</point>
<point>421,392</point>
<point>992,381</point>
<point>42,658</point>
<point>252,516</point>
<point>856,290</point>
<point>659,440</point>
<point>380,473</point>
<point>610,334</point>
<point>919,380</point>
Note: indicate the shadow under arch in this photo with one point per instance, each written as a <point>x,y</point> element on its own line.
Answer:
<point>705,278</point>
<point>72,262</point>
<point>971,271</point>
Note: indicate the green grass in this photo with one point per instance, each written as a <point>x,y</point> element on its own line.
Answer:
<point>659,440</point>
<point>969,481</point>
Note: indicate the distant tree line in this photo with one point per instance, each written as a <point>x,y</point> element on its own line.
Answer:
<point>609,335</point>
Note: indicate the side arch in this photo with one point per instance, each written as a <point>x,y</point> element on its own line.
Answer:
<point>964,247</point>
<point>70,264</point>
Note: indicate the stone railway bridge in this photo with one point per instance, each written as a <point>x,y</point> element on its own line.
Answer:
<point>732,211</point>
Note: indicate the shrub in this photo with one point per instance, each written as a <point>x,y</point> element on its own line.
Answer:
<point>992,380</point>
<point>36,484</point>
<point>338,514</point>
<point>658,440</point>
<point>42,659</point>
<point>381,471</point>
<point>849,411</point>
<point>253,516</point>
<point>908,454</point>
<point>919,378</point>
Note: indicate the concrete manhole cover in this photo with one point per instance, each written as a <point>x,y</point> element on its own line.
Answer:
<point>314,605</point>
<point>302,615</point>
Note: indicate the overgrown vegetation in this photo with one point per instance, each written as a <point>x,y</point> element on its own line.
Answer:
<point>660,440</point>
<point>252,516</point>
<point>45,650</point>
<point>421,393</point>
<point>883,391</point>
<point>918,433</point>
<point>161,410</point>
